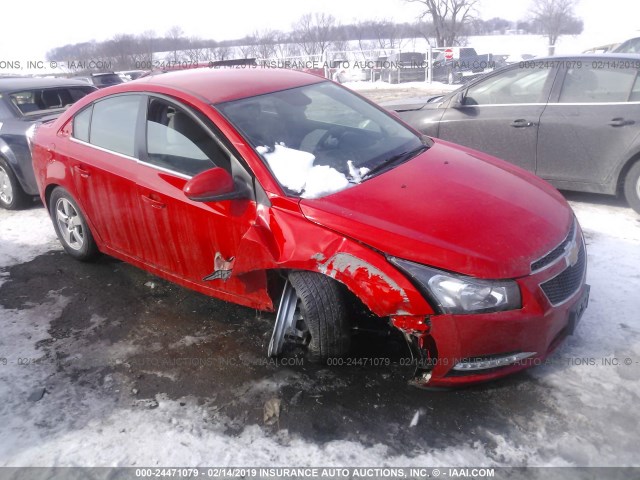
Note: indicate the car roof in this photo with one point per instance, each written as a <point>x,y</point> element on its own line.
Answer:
<point>222,85</point>
<point>16,84</point>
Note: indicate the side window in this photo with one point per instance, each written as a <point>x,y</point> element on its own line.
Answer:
<point>518,85</point>
<point>179,143</point>
<point>81,124</point>
<point>588,84</point>
<point>113,124</point>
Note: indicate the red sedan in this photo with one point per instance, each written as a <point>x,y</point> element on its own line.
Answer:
<point>273,187</point>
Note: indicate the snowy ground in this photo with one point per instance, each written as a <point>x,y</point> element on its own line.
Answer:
<point>383,92</point>
<point>106,342</point>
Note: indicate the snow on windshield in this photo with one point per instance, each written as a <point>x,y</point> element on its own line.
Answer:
<point>295,170</point>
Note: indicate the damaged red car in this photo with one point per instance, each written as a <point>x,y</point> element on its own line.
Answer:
<point>277,189</point>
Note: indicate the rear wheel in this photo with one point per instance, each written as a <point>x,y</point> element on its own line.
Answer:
<point>12,197</point>
<point>71,226</point>
<point>320,315</point>
<point>632,187</point>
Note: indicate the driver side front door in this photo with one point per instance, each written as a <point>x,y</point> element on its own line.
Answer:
<point>195,242</point>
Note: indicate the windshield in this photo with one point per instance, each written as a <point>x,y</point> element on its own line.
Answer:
<point>320,139</point>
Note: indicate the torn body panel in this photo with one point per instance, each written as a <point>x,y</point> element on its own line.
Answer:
<point>221,268</point>
<point>271,243</point>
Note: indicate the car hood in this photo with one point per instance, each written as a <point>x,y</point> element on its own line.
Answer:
<point>452,208</point>
<point>408,104</point>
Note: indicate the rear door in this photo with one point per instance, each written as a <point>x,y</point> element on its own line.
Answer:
<point>103,161</point>
<point>586,132</point>
<point>500,114</point>
<point>194,241</point>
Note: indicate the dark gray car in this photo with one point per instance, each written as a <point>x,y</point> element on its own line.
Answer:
<point>574,121</point>
<point>23,103</point>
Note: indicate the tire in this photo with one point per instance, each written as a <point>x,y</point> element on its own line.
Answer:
<point>12,197</point>
<point>71,226</point>
<point>632,187</point>
<point>323,311</point>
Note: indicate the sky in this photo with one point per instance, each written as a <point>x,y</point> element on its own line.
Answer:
<point>27,34</point>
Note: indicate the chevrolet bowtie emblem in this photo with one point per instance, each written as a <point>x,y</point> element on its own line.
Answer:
<point>572,252</point>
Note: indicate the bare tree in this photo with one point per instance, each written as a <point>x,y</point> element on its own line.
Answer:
<point>314,32</point>
<point>283,46</point>
<point>387,34</point>
<point>146,40</point>
<point>221,53</point>
<point>175,35</point>
<point>194,51</point>
<point>265,43</point>
<point>246,50</point>
<point>449,18</point>
<point>424,30</point>
<point>554,18</point>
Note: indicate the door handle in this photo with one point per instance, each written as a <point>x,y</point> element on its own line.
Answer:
<point>620,122</point>
<point>82,171</point>
<point>154,203</point>
<point>521,123</point>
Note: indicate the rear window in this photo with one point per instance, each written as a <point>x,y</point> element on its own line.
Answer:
<point>43,100</point>
<point>106,80</point>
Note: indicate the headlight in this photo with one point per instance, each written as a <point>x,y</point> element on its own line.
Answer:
<point>461,294</point>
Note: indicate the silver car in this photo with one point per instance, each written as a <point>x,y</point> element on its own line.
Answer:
<point>574,121</point>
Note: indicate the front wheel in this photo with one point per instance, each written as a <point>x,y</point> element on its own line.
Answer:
<point>632,187</point>
<point>71,227</point>
<point>321,313</point>
<point>12,197</point>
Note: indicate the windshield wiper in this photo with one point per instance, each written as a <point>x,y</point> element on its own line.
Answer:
<point>395,160</point>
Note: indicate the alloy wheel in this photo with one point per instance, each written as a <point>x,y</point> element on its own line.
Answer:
<point>6,190</point>
<point>70,224</point>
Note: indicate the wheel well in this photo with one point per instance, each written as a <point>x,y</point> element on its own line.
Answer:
<point>47,194</point>
<point>355,306</point>
<point>623,173</point>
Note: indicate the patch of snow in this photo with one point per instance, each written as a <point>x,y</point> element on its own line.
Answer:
<point>356,173</point>
<point>415,419</point>
<point>295,170</point>
<point>323,180</point>
<point>291,167</point>
<point>24,235</point>
<point>189,340</point>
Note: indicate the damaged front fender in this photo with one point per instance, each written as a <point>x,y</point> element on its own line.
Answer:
<point>282,239</point>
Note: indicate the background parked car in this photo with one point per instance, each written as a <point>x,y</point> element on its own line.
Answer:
<point>23,102</point>
<point>574,121</point>
<point>465,65</point>
<point>630,46</point>
<point>404,67</point>
<point>128,75</point>
<point>101,80</point>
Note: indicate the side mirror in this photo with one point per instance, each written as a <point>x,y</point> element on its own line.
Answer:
<point>457,101</point>
<point>213,185</point>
